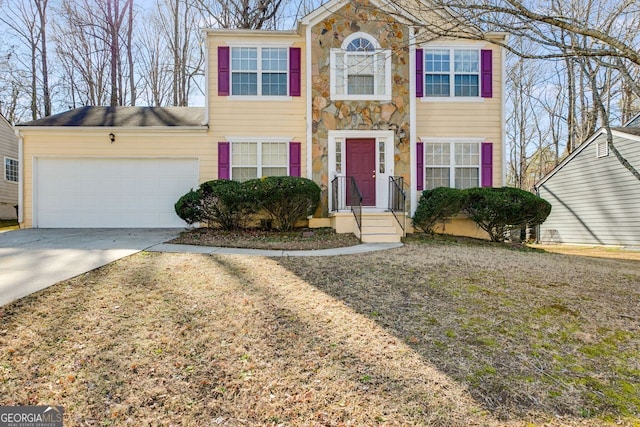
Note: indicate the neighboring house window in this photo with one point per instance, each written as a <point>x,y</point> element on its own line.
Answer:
<point>10,169</point>
<point>446,72</point>
<point>259,71</point>
<point>251,160</point>
<point>602,148</point>
<point>452,164</point>
<point>360,69</point>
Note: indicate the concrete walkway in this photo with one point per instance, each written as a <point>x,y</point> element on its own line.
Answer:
<point>349,250</point>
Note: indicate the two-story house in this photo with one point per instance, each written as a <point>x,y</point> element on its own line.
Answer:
<point>359,99</point>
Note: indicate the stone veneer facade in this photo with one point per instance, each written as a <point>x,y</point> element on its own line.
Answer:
<point>359,115</point>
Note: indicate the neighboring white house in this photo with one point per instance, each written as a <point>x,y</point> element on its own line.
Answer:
<point>10,170</point>
<point>594,198</point>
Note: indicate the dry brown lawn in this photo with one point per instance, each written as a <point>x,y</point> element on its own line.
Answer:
<point>434,334</point>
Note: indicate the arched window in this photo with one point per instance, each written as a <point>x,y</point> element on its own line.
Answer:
<point>360,69</point>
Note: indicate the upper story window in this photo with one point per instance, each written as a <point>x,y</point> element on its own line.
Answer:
<point>360,70</point>
<point>450,72</point>
<point>10,169</point>
<point>259,71</point>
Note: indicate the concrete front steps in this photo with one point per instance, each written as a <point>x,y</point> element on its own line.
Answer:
<point>377,226</point>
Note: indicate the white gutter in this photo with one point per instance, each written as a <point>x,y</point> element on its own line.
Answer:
<point>20,177</point>
<point>309,121</point>
<point>413,190</point>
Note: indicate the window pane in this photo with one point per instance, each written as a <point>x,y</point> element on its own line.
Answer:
<point>274,59</point>
<point>436,177</point>
<point>243,174</point>
<point>437,153</point>
<point>274,171</point>
<point>436,60</point>
<point>244,59</point>
<point>11,170</point>
<point>274,84</point>
<point>244,154</point>
<point>467,177</point>
<point>467,154</point>
<point>339,71</point>
<point>466,61</point>
<point>360,85</point>
<point>436,85</point>
<point>244,83</point>
<point>274,154</point>
<point>467,85</point>
<point>359,45</point>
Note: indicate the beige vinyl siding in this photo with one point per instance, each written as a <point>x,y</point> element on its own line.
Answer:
<point>477,118</point>
<point>253,118</point>
<point>8,148</point>
<point>94,143</point>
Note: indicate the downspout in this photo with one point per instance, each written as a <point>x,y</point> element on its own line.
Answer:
<point>309,119</point>
<point>503,146</point>
<point>413,192</point>
<point>20,177</point>
<point>206,78</point>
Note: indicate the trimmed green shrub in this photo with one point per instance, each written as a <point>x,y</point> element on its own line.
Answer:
<point>436,205</point>
<point>287,199</point>
<point>496,210</point>
<point>226,204</point>
<point>189,207</point>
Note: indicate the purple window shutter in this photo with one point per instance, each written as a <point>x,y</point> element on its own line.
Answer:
<point>294,159</point>
<point>419,73</point>
<point>420,166</point>
<point>294,71</point>
<point>223,71</point>
<point>224,169</point>
<point>486,73</point>
<point>486,169</point>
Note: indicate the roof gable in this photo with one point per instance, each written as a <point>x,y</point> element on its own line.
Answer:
<point>631,133</point>
<point>393,8</point>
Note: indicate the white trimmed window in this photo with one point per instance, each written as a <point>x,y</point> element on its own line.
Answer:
<point>259,71</point>
<point>257,159</point>
<point>10,169</point>
<point>451,72</point>
<point>452,164</point>
<point>602,149</point>
<point>360,70</point>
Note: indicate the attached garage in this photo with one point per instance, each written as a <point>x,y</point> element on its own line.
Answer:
<point>110,192</point>
<point>112,167</point>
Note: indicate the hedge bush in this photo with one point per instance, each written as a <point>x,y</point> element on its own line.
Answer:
<point>189,207</point>
<point>287,199</point>
<point>436,205</point>
<point>496,210</point>
<point>227,204</point>
<point>230,205</point>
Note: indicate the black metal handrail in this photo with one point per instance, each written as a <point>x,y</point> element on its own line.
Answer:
<point>339,193</point>
<point>356,204</point>
<point>345,195</point>
<point>397,200</point>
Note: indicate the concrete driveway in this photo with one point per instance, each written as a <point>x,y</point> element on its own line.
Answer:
<point>34,259</point>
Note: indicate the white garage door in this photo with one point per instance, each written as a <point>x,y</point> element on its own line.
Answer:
<point>108,193</point>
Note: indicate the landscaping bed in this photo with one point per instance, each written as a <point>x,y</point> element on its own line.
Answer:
<point>300,239</point>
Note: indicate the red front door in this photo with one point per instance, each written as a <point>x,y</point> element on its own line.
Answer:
<point>361,164</point>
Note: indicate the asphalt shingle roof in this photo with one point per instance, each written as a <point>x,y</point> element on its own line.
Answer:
<point>124,117</point>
